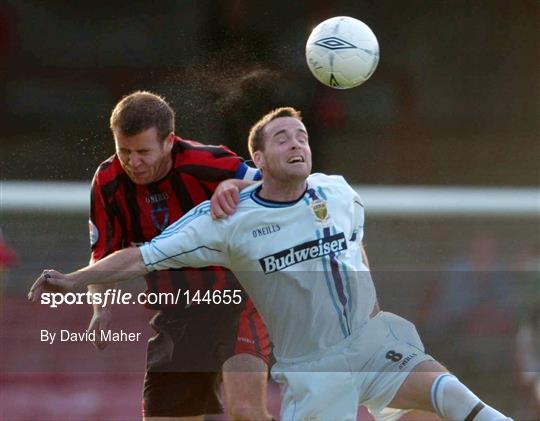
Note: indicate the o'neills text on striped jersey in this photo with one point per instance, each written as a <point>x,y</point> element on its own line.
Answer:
<point>303,252</point>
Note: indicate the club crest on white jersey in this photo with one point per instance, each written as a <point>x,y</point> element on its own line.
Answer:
<point>320,211</point>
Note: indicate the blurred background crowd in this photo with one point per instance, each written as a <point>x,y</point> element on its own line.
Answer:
<point>455,101</point>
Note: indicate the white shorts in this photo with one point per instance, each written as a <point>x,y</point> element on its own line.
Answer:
<point>365,369</point>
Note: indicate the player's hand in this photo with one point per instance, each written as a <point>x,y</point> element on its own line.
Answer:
<point>101,320</point>
<point>225,199</point>
<point>49,281</point>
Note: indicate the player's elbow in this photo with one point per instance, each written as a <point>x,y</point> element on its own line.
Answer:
<point>137,263</point>
<point>128,263</point>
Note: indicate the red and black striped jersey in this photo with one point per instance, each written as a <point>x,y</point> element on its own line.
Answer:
<point>125,214</point>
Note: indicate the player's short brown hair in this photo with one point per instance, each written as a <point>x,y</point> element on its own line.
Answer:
<point>141,111</point>
<point>255,139</point>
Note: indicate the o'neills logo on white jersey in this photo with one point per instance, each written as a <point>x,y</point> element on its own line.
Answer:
<point>303,252</point>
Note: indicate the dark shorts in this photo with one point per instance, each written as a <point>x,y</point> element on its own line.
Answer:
<point>184,359</point>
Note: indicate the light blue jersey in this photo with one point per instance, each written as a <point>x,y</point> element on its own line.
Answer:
<point>300,262</point>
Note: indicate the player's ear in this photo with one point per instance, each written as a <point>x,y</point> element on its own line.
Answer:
<point>258,159</point>
<point>169,142</point>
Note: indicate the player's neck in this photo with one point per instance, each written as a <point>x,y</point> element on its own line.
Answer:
<point>282,192</point>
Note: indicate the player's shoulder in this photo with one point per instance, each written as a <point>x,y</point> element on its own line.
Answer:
<point>321,179</point>
<point>108,171</point>
<point>184,148</point>
<point>334,183</point>
<point>245,203</point>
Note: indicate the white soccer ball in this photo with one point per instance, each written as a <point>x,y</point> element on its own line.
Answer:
<point>342,52</point>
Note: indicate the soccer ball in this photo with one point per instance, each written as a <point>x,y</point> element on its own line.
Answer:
<point>342,52</point>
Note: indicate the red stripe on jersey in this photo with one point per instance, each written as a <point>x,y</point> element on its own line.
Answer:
<point>221,279</point>
<point>252,336</point>
<point>198,192</point>
<point>127,214</point>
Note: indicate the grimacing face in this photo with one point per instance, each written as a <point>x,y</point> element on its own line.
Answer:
<point>144,157</point>
<point>286,154</point>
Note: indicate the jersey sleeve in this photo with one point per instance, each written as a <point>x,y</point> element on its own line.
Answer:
<point>195,240</point>
<point>104,227</point>
<point>242,171</point>
<point>245,172</point>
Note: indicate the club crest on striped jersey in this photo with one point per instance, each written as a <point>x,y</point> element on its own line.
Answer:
<point>160,218</point>
<point>320,210</point>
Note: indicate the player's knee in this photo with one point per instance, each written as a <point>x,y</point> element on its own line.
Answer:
<point>241,411</point>
<point>245,382</point>
<point>248,405</point>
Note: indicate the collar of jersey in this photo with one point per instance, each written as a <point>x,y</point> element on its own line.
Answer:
<point>273,203</point>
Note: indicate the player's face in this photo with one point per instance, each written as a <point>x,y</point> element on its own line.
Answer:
<point>286,155</point>
<point>144,157</point>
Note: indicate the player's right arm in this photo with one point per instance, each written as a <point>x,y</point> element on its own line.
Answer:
<point>226,197</point>
<point>195,240</point>
<point>105,238</point>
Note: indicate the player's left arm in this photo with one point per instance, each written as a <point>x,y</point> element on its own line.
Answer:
<point>225,174</point>
<point>358,222</point>
<point>376,307</point>
<point>227,194</point>
<point>364,255</point>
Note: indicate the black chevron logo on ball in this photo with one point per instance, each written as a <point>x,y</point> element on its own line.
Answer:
<point>334,43</point>
<point>333,81</point>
